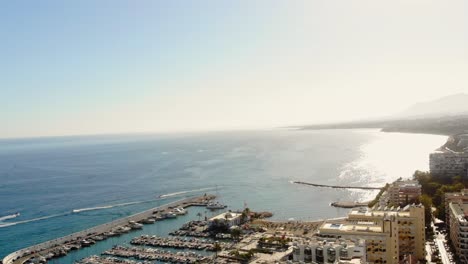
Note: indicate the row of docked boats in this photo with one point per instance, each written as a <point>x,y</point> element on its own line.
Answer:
<point>174,242</point>
<point>109,260</point>
<point>152,254</point>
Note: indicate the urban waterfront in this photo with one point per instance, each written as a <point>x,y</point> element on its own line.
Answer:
<point>256,168</point>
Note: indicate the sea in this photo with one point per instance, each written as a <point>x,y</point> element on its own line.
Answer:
<point>107,177</point>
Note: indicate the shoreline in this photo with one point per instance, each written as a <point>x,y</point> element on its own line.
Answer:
<point>44,248</point>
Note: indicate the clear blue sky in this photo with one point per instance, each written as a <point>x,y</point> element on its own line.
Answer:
<point>85,67</point>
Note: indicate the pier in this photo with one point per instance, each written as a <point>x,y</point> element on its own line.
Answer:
<point>338,187</point>
<point>349,204</point>
<point>59,246</point>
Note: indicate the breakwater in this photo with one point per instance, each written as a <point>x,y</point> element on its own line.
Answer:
<point>45,248</point>
<point>338,187</point>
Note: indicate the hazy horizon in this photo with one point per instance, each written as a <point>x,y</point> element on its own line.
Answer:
<point>113,67</point>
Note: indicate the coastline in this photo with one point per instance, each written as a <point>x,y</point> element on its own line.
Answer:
<point>22,255</point>
<point>295,195</point>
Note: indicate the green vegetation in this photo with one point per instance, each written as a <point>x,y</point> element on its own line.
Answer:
<point>433,191</point>
<point>376,200</point>
<point>244,257</point>
<point>273,242</point>
<point>236,233</point>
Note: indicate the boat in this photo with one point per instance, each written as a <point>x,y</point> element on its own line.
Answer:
<point>87,243</point>
<point>169,215</point>
<point>148,221</point>
<point>122,229</point>
<point>98,238</point>
<point>135,225</point>
<point>215,206</point>
<point>180,211</point>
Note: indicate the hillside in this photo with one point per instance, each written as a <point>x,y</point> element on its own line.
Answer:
<point>445,116</point>
<point>449,105</point>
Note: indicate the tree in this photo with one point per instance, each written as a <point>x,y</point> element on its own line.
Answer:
<point>217,247</point>
<point>235,233</point>
<point>427,202</point>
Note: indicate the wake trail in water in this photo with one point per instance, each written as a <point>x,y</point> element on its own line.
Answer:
<point>185,192</point>
<point>103,207</point>
<point>76,211</point>
<point>110,206</point>
<point>3,218</point>
<point>5,224</point>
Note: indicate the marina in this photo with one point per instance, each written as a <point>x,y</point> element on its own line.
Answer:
<point>61,246</point>
<point>176,242</point>
<point>152,254</point>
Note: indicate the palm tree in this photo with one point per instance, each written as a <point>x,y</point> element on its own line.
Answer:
<point>235,233</point>
<point>199,214</point>
<point>217,247</point>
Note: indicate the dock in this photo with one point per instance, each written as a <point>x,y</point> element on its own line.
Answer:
<point>338,187</point>
<point>103,231</point>
<point>349,204</point>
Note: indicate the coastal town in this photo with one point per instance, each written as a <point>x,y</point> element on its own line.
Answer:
<point>423,219</point>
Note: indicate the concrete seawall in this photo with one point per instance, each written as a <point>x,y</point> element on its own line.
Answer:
<point>20,256</point>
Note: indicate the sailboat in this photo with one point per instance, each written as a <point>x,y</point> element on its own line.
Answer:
<point>216,205</point>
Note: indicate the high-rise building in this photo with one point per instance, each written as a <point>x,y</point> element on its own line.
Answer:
<point>404,192</point>
<point>391,233</point>
<point>458,214</point>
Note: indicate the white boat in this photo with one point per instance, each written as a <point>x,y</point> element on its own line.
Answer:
<point>215,205</point>
<point>180,211</point>
<point>169,215</point>
<point>122,229</point>
<point>148,221</point>
<point>135,225</point>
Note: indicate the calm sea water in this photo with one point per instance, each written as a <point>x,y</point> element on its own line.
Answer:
<point>45,179</point>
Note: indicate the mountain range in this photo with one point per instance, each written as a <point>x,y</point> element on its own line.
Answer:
<point>444,116</point>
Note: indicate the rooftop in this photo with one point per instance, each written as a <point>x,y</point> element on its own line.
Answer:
<point>460,210</point>
<point>226,216</point>
<point>351,227</point>
<point>382,211</point>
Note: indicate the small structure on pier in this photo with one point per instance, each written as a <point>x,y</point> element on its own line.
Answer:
<point>227,218</point>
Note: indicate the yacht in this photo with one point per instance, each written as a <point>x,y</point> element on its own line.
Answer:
<point>148,221</point>
<point>215,205</point>
<point>135,225</point>
<point>169,215</point>
<point>180,211</point>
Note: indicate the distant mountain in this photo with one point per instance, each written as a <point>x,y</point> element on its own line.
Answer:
<point>444,116</point>
<point>450,105</point>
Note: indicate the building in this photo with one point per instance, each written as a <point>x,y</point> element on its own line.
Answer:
<point>381,239</point>
<point>451,159</point>
<point>391,233</point>
<point>455,197</point>
<point>459,229</point>
<point>319,250</point>
<point>404,192</point>
<point>228,218</point>
<point>448,164</point>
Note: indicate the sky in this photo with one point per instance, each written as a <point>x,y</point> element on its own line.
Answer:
<point>112,66</point>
